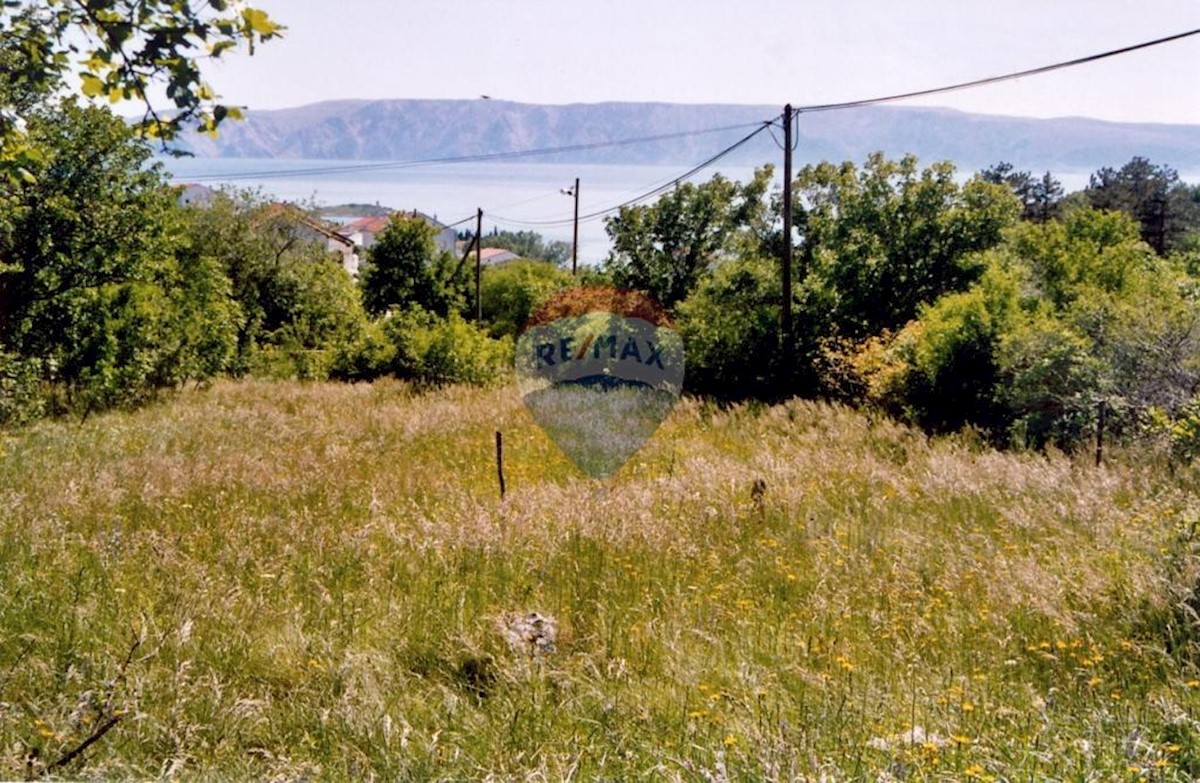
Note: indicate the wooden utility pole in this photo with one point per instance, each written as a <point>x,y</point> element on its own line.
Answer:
<point>785,272</point>
<point>478,266</point>
<point>500,461</point>
<point>575,238</point>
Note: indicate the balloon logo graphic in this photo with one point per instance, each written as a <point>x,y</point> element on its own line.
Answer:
<point>599,369</point>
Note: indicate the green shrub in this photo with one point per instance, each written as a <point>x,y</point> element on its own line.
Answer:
<point>291,362</point>
<point>417,345</point>
<point>729,327</point>
<point>941,371</point>
<point>1182,431</point>
<point>511,291</point>
<point>370,356</point>
<point>437,350</point>
<point>20,400</point>
<point>1053,377</point>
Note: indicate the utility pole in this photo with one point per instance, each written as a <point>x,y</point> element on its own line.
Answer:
<point>575,237</point>
<point>574,191</point>
<point>785,272</point>
<point>478,266</point>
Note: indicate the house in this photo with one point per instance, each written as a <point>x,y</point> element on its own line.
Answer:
<point>495,255</point>
<point>191,194</point>
<point>306,227</point>
<point>335,243</point>
<point>362,232</point>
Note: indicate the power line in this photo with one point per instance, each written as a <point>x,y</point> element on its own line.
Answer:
<point>992,79</point>
<point>459,222</point>
<point>477,158</point>
<point>759,128</point>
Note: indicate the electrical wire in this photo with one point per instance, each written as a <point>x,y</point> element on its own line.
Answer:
<point>819,107</point>
<point>459,222</point>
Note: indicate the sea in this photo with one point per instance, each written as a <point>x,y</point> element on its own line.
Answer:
<point>514,196</point>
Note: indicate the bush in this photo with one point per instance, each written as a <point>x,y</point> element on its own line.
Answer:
<point>370,356</point>
<point>1182,431</point>
<point>20,401</point>
<point>1053,381</point>
<point>511,291</point>
<point>439,351</point>
<point>419,346</point>
<point>729,327</point>
<point>940,371</point>
<point>290,362</point>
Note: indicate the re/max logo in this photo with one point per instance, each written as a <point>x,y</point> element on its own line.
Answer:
<point>549,354</point>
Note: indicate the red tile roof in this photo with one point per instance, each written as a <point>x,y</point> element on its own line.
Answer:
<point>373,225</point>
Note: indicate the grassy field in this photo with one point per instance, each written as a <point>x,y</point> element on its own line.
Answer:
<point>284,581</point>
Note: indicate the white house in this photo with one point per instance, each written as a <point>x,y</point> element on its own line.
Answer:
<point>194,194</point>
<point>304,226</point>
<point>335,243</point>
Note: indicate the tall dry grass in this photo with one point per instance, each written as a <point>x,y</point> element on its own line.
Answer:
<point>285,581</point>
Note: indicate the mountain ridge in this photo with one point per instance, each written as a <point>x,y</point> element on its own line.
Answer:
<point>423,129</point>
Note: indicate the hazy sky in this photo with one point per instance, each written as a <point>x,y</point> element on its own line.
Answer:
<point>718,51</point>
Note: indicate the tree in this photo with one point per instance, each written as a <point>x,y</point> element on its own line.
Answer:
<point>665,248</point>
<point>292,295</point>
<point>93,296</point>
<point>120,49</point>
<point>879,242</point>
<point>1112,322</point>
<point>1041,199</point>
<point>1153,195</point>
<point>90,217</point>
<point>404,269</point>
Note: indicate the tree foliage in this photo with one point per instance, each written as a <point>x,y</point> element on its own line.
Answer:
<point>1067,315</point>
<point>292,296</point>
<point>416,345</point>
<point>530,245</point>
<point>664,249</point>
<point>404,268</point>
<point>120,49</point>
<point>880,242</point>
<point>513,290</point>
<point>730,329</point>
<point>1153,195</point>
<point>1041,197</point>
<point>93,293</point>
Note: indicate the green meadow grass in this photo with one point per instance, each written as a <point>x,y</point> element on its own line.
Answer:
<point>311,581</point>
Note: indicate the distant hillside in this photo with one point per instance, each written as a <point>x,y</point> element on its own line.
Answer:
<point>421,129</point>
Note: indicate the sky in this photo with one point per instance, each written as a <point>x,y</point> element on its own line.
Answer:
<point>717,51</point>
